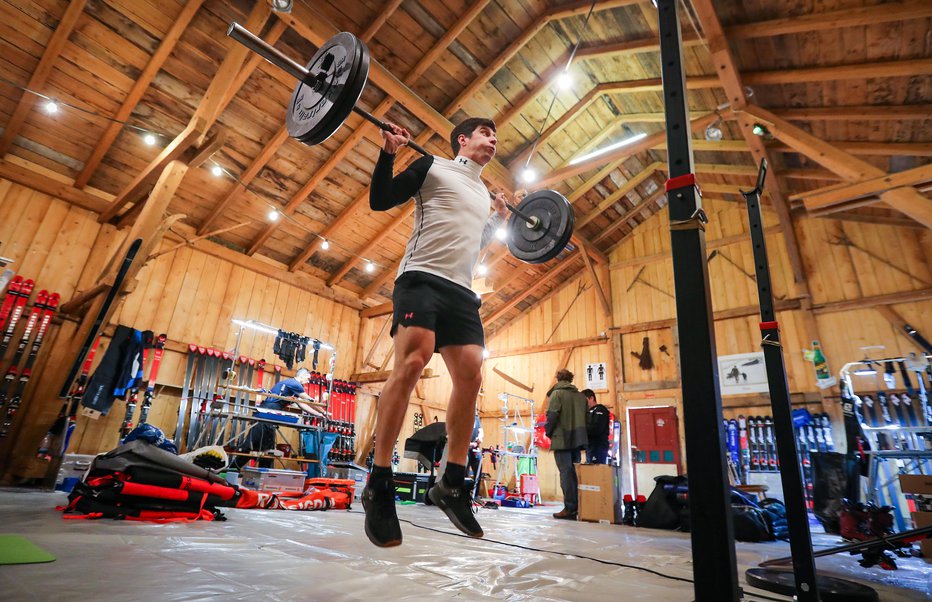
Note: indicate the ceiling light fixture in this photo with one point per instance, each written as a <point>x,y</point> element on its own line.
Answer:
<point>608,148</point>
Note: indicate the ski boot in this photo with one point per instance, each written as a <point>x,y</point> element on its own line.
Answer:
<point>639,502</point>
<point>628,517</point>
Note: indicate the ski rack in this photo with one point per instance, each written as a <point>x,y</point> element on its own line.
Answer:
<point>876,482</point>
<point>513,425</point>
<point>215,423</point>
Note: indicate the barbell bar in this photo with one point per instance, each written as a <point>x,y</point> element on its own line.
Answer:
<point>334,91</point>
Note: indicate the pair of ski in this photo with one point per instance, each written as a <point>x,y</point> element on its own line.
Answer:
<point>16,379</point>
<point>157,346</point>
<point>249,368</point>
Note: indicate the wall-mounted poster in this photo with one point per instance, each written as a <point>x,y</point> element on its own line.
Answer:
<point>597,376</point>
<point>742,373</point>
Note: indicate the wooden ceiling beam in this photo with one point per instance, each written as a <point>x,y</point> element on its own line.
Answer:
<point>252,171</point>
<point>905,68</point>
<point>275,32</point>
<point>621,193</point>
<point>905,200</point>
<point>136,93</point>
<point>864,112</point>
<point>884,220</point>
<point>849,17</point>
<point>579,7</point>
<point>41,73</point>
<point>833,195</point>
<point>195,133</point>
<point>735,90</point>
<point>383,15</point>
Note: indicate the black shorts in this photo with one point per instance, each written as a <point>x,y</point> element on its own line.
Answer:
<point>448,309</point>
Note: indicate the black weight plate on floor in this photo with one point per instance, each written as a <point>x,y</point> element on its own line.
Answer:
<point>831,589</point>
<point>316,112</point>
<point>544,242</point>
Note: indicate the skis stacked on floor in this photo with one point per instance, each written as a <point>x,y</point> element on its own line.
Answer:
<point>42,312</point>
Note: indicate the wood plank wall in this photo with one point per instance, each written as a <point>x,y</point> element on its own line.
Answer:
<point>187,294</point>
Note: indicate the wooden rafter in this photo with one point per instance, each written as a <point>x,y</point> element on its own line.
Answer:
<point>579,7</point>
<point>630,86</point>
<point>622,191</point>
<point>239,187</point>
<point>41,73</point>
<point>849,17</point>
<point>137,91</point>
<point>547,277</point>
<point>196,131</point>
<point>253,62</point>
<point>384,14</point>
<point>564,173</point>
<point>600,292</point>
<point>906,200</point>
<point>907,68</point>
<point>823,198</point>
<point>645,209</point>
<point>727,70</point>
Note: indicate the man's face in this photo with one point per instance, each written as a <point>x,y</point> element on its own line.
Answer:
<point>304,378</point>
<point>591,401</point>
<point>480,147</point>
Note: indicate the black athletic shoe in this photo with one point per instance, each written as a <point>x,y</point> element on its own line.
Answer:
<point>457,504</point>
<point>382,526</point>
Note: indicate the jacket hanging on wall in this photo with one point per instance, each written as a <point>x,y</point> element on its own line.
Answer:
<point>117,372</point>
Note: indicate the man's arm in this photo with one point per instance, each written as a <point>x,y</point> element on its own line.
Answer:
<point>387,191</point>
<point>306,408</point>
<point>554,408</point>
<point>494,222</point>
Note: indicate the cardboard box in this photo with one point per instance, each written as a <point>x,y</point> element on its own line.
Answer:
<point>346,470</point>
<point>924,519</point>
<point>269,479</point>
<point>916,483</point>
<point>600,497</point>
<point>72,471</point>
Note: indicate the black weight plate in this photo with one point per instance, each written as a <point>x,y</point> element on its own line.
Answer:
<point>316,112</point>
<point>831,589</point>
<point>545,241</point>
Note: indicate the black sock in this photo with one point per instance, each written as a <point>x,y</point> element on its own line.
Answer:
<point>455,474</point>
<point>379,475</point>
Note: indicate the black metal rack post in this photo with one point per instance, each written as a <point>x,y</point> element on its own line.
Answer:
<point>790,471</point>
<point>713,542</point>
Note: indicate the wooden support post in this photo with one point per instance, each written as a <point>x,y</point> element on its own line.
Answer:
<point>513,380</point>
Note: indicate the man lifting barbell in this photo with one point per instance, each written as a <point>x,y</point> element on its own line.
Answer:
<point>435,310</point>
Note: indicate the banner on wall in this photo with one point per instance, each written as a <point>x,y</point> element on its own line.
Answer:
<point>597,376</point>
<point>742,373</point>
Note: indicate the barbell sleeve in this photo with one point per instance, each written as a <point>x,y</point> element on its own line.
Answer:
<point>270,53</point>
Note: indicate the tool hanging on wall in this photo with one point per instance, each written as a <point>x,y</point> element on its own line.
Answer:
<point>646,361</point>
<point>638,278</point>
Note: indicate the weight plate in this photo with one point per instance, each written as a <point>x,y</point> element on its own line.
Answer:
<point>545,240</point>
<point>341,67</point>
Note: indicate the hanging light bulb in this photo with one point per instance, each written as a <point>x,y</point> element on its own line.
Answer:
<point>482,270</point>
<point>273,215</point>
<point>501,233</point>
<point>713,133</point>
<point>51,107</point>
<point>149,139</point>
<point>528,175</point>
<point>369,267</point>
<point>216,170</point>
<point>325,245</point>
<point>485,353</point>
<point>564,80</point>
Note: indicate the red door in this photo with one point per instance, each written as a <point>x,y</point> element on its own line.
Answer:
<point>655,448</point>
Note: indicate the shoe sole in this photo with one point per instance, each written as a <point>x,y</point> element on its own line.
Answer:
<point>382,544</point>
<point>453,518</point>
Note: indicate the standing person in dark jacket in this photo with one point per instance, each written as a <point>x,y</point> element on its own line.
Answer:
<point>566,427</point>
<point>598,428</point>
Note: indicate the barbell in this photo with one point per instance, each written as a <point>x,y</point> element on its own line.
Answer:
<point>327,92</point>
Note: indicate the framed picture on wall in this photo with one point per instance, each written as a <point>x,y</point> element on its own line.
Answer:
<point>742,373</point>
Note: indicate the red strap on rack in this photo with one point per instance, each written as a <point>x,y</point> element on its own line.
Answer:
<point>681,182</point>
<point>769,325</point>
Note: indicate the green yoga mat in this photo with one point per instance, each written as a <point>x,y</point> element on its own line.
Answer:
<point>19,550</point>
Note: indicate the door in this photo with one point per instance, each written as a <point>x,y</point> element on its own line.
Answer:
<point>655,448</point>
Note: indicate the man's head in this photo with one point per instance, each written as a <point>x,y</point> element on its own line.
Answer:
<point>590,397</point>
<point>303,376</point>
<point>564,376</point>
<point>474,138</point>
